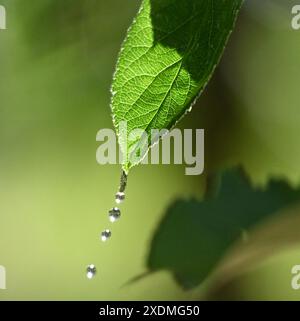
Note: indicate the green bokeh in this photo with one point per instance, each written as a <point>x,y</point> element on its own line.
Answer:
<point>56,66</point>
<point>54,196</point>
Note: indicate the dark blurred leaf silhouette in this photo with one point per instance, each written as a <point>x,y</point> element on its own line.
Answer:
<point>193,236</point>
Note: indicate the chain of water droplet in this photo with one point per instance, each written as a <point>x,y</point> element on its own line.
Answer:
<point>114,214</point>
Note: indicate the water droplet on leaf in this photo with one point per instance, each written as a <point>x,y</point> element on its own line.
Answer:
<point>123,182</point>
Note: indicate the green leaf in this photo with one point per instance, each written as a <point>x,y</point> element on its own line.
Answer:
<point>193,236</point>
<point>167,59</point>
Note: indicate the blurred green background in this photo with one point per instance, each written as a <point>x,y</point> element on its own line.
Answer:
<point>57,58</point>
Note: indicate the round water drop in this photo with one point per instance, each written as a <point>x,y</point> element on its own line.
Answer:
<point>120,197</point>
<point>105,235</point>
<point>91,271</point>
<point>114,214</point>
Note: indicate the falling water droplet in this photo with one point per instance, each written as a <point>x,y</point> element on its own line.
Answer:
<point>91,271</point>
<point>105,235</point>
<point>120,197</point>
<point>114,214</point>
